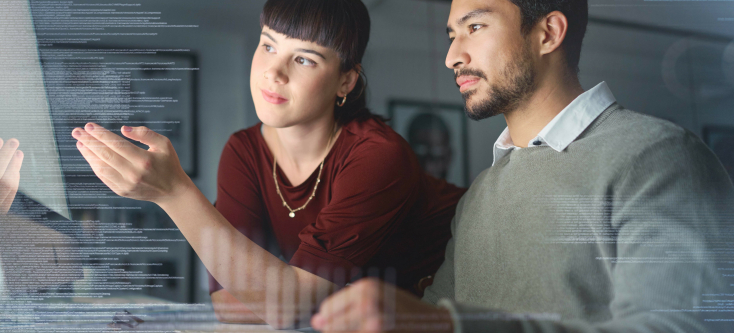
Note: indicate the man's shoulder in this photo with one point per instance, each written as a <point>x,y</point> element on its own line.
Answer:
<point>627,142</point>
<point>623,131</point>
<point>620,139</point>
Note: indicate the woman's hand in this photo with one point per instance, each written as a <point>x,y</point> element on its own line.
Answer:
<point>11,160</point>
<point>154,175</point>
<point>370,305</point>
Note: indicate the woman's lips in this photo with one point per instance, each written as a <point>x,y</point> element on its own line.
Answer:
<point>272,97</point>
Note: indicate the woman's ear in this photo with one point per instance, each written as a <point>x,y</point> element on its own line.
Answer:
<point>349,80</point>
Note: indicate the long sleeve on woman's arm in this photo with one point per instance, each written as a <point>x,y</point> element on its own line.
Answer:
<point>238,197</point>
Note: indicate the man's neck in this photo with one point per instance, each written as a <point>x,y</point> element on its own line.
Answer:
<point>548,100</point>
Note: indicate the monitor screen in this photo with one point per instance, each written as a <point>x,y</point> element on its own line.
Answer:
<point>25,111</point>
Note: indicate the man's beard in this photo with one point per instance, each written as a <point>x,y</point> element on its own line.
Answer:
<point>508,94</point>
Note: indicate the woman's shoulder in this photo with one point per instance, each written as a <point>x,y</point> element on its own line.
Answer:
<point>375,140</point>
<point>374,131</point>
<point>245,138</point>
<point>244,144</point>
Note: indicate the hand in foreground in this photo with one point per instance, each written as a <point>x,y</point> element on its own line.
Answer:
<point>370,305</point>
<point>152,175</point>
<point>11,160</point>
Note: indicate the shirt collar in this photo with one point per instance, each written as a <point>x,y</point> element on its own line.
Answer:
<point>566,126</point>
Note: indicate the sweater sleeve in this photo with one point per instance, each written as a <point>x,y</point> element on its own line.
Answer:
<point>672,208</point>
<point>443,282</point>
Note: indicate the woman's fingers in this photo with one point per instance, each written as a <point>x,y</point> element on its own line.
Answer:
<point>356,308</point>
<point>332,310</point>
<point>10,181</point>
<point>6,154</point>
<point>16,162</point>
<point>146,136</point>
<point>139,174</point>
<point>342,311</point>
<point>104,153</point>
<point>106,173</point>
<point>116,143</point>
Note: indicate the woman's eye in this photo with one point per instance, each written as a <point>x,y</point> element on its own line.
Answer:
<point>475,27</point>
<point>268,48</point>
<point>304,61</point>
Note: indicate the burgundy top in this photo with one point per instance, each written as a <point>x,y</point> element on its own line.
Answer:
<point>374,207</point>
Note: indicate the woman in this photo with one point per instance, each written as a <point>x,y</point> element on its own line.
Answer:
<point>335,187</point>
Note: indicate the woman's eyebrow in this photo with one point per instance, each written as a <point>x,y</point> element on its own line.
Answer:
<point>312,52</point>
<point>268,35</point>
<point>297,50</point>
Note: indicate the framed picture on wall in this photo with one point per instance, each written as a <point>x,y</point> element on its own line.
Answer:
<point>721,140</point>
<point>437,133</point>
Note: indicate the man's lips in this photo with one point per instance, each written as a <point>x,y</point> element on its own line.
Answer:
<point>465,82</point>
<point>272,97</point>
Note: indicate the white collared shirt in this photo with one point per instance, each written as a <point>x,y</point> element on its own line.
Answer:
<point>566,126</point>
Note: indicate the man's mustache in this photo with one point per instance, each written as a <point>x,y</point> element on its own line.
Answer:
<point>469,72</point>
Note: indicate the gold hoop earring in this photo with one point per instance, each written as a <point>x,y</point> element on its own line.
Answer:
<point>344,101</point>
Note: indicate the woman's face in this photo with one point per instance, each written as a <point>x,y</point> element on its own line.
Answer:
<point>294,82</point>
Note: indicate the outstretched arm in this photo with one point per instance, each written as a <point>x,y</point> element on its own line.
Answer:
<point>229,309</point>
<point>285,294</point>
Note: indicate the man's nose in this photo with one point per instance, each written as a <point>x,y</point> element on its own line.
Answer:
<point>457,57</point>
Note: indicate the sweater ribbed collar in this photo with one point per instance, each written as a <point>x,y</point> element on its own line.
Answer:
<point>566,126</point>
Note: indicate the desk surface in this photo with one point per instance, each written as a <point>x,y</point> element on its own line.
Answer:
<point>184,327</point>
<point>96,315</point>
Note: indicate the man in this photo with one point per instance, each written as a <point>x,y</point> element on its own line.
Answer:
<point>593,218</point>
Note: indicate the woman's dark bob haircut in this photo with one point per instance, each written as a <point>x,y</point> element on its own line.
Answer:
<point>341,25</point>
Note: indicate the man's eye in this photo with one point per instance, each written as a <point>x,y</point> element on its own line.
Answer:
<point>304,61</point>
<point>475,27</point>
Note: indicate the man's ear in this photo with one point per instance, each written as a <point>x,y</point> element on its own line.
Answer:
<point>349,80</point>
<point>553,29</point>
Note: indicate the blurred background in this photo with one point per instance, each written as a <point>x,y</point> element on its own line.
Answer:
<point>669,59</point>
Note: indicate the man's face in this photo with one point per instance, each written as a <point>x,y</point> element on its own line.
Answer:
<point>493,62</point>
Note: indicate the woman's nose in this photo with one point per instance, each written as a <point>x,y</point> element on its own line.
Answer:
<point>276,73</point>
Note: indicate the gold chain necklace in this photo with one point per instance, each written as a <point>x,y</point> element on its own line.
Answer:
<point>292,213</point>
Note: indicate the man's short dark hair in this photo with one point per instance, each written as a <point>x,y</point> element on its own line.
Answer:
<point>577,13</point>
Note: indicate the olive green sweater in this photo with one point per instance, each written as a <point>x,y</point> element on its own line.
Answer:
<point>629,229</point>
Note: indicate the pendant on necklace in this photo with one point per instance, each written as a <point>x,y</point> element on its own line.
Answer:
<point>292,214</point>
